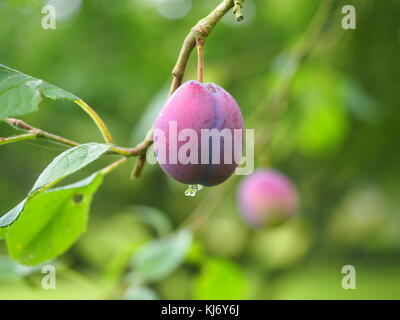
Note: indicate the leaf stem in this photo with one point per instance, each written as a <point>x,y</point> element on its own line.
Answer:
<point>97,120</point>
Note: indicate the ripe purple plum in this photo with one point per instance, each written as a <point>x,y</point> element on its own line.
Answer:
<point>267,198</point>
<point>185,154</point>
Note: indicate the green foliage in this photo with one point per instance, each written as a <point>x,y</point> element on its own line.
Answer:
<point>322,123</point>
<point>323,281</point>
<point>149,115</point>
<point>154,218</point>
<point>336,137</point>
<point>65,164</point>
<point>282,247</point>
<point>21,94</point>
<point>221,279</point>
<point>10,217</point>
<point>69,162</point>
<point>10,270</point>
<point>51,222</point>
<point>159,258</point>
<point>140,293</point>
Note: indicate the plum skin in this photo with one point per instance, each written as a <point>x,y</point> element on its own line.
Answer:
<point>267,198</point>
<point>195,105</point>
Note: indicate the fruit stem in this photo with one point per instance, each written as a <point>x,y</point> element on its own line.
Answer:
<point>203,28</point>
<point>200,58</point>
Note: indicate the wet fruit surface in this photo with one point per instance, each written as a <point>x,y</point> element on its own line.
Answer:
<point>197,106</point>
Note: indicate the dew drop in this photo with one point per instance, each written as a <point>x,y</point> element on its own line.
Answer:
<point>197,187</point>
<point>192,189</point>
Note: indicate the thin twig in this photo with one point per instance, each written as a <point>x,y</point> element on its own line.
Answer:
<point>137,170</point>
<point>36,133</point>
<point>141,150</point>
<point>237,10</point>
<point>202,29</point>
<point>21,137</point>
<point>277,103</point>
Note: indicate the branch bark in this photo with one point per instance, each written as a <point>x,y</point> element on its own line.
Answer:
<point>21,137</point>
<point>34,133</point>
<point>202,29</point>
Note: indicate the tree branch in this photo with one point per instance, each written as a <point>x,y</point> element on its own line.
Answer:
<point>21,137</point>
<point>35,133</point>
<point>202,29</point>
<point>237,10</point>
<point>141,150</point>
<point>137,170</point>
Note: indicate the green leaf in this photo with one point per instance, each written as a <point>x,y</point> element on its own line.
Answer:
<point>159,258</point>
<point>221,279</point>
<point>21,94</point>
<point>10,216</point>
<point>65,164</point>
<point>69,162</point>
<point>154,218</point>
<point>51,222</point>
<point>7,219</point>
<point>140,293</point>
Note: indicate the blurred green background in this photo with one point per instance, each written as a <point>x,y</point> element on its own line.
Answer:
<point>336,136</point>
